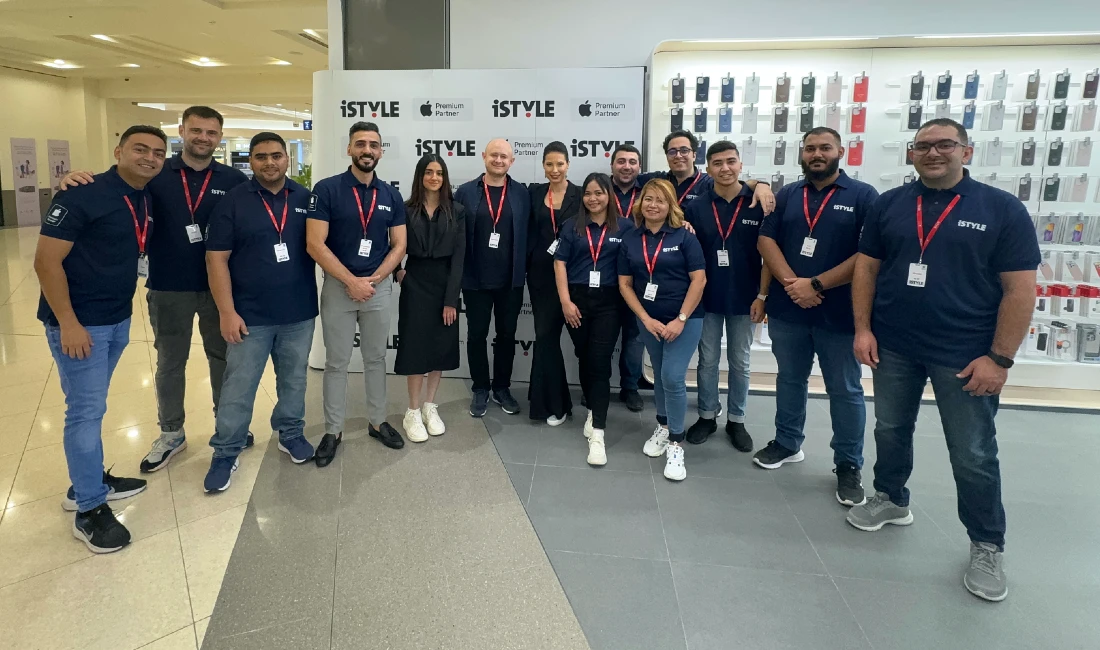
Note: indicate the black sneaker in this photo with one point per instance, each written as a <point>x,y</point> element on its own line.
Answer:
<point>387,435</point>
<point>849,485</point>
<point>326,451</point>
<point>698,433</point>
<point>776,455</point>
<point>633,400</point>
<point>117,488</point>
<point>507,403</point>
<point>100,531</point>
<point>739,436</point>
<point>479,403</point>
<point>644,384</point>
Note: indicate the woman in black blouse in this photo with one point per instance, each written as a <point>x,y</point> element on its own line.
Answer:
<point>427,311</point>
<point>551,204</point>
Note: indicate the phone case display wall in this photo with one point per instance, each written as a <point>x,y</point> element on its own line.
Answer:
<point>1066,323</point>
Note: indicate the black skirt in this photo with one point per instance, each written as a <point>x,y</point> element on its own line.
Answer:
<point>424,343</point>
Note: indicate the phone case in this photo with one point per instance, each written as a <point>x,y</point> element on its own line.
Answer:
<point>701,153</point>
<point>943,86</point>
<point>1078,189</point>
<point>995,117</point>
<point>860,87</point>
<point>1031,91</point>
<point>832,117</point>
<point>916,87</point>
<point>1048,232</point>
<point>969,111</point>
<point>809,89</point>
<point>858,119</point>
<point>1086,117</point>
<point>725,119</point>
<point>748,152</point>
<point>727,89</point>
<point>998,90</point>
<point>782,89</point>
<point>1061,85</point>
<point>806,119</point>
<point>914,118</point>
<point>1088,89</point>
<point>908,157</point>
<point>993,151</point>
<point>750,115</point>
<point>833,87</point>
<point>1023,188</point>
<point>970,90</point>
<point>943,110</point>
<point>801,148</point>
<point>1028,117</point>
<point>1027,153</point>
<point>1054,153</point>
<point>779,157</point>
<point>779,123</point>
<point>678,90</point>
<point>702,89</point>
<point>777,181</point>
<point>677,121</point>
<point>1082,153</point>
<point>751,94</point>
<point>855,152</point>
<point>1050,188</point>
<point>701,119</point>
<point>1058,117</point>
<point>908,178</point>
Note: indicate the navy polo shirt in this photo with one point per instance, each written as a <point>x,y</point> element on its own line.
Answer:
<point>731,289</point>
<point>690,189</point>
<point>336,205</point>
<point>175,264</point>
<point>574,250</point>
<point>680,254</point>
<point>624,198</point>
<point>837,235</point>
<point>951,320</point>
<point>265,291</point>
<point>102,266</point>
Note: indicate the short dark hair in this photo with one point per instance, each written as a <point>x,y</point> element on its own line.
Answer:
<point>822,130</point>
<point>265,136</point>
<point>205,113</point>
<point>721,146</point>
<point>142,128</point>
<point>363,126</point>
<point>946,121</point>
<point>555,147</point>
<point>629,148</point>
<point>680,134</point>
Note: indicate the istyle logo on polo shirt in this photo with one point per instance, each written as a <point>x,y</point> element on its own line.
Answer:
<point>731,286</point>
<point>370,108</point>
<point>337,204</point>
<point>595,148</point>
<point>523,108</point>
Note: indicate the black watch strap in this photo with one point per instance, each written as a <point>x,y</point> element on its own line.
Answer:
<point>1003,362</point>
<point>816,285</point>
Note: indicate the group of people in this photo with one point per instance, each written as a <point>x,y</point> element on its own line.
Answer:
<point>673,261</point>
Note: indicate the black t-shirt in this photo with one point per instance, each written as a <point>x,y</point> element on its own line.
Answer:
<point>493,265</point>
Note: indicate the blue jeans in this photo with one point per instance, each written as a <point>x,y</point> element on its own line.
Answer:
<point>794,346</point>
<point>630,353</point>
<point>288,346</point>
<point>967,426</point>
<point>85,383</point>
<point>670,364</point>
<point>739,331</point>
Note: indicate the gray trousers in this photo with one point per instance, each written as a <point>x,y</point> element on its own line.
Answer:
<point>172,316</point>
<point>339,316</point>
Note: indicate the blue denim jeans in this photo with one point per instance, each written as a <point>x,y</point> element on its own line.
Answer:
<point>967,426</point>
<point>670,364</point>
<point>288,346</point>
<point>85,383</point>
<point>794,346</point>
<point>739,331</point>
<point>630,353</point>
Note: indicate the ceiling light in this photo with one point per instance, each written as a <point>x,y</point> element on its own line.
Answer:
<point>279,105</point>
<point>785,40</point>
<point>104,37</point>
<point>130,65</point>
<point>279,62</point>
<point>60,64</point>
<point>1033,35</point>
<point>312,33</point>
<point>204,62</point>
<point>203,59</point>
<point>59,61</point>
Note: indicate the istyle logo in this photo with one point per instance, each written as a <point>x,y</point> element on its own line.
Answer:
<point>602,109</point>
<point>523,108</point>
<point>595,148</point>
<point>352,108</point>
<point>444,110</point>
<point>446,147</point>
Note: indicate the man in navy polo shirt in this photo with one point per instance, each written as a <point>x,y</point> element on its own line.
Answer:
<point>626,165</point>
<point>263,282</point>
<point>493,277</point>
<point>737,286</point>
<point>91,251</point>
<point>809,245</point>
<point>944,290</point>
<point>357,235</point>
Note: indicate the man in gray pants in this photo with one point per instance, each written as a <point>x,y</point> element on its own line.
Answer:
<point>357,235</point>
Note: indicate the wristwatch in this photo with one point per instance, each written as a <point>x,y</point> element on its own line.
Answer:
<point>683,318</point>
<point>816,285</point>
<point>1003,362</point>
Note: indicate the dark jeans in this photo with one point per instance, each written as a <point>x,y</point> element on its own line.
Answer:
<point>594,343</point>
<point>967,426</point>
<point>481,307</point>
<point>172,316</point>
<point>630,354</point>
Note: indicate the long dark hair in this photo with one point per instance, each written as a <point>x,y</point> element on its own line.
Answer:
<point>415,204</point>
<point>611,222</point>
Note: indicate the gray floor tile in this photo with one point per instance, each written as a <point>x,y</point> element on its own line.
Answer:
<point>615,600</point>
<point>516,443</point>
<point>1060,613</point>
<point>303,632</point>
<point>728,607</point>
<point>521,475</point>
<point>1053,545</point>
<point>716,458</point>
<point>566,446</point>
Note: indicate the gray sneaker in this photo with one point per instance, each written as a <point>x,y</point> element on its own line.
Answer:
<point>986,576</point>
<point>877,512</point>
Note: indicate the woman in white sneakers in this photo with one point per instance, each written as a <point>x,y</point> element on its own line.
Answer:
<point>427,323</point>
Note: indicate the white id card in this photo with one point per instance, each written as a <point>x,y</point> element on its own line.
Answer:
<point>494,240</point>
<point>594,279</point>
<point>650,291</point>
<point>723,257</point>
<point>918,274</point>
<point>281,254</point>
<point>143,267</point>
<point>194,233</point>
<point>809,245</point>
<point>553,247</point>
<point>364,247</point>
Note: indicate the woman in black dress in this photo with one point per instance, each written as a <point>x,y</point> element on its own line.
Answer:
<point>427,325</point>
<point>552,204</point>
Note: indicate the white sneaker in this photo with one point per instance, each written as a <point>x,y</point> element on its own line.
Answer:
<point>657,443</point>
<point>588,426</point>
<point>597,454</point>
<point>674,463</point>
<point>414,426</point>
<point>555,421</point>
<point>430,417</point>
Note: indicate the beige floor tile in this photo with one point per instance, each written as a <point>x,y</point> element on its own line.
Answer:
<point>187,476</point>
<point>207,545</point>
<point>200,630</point>
<point>180,640</point>
<point>14,431</point>
<point>64,608</point>
<point>15,316</point>
<point>9,464</point>
<point>130,409</point>
<point>21,398</point>
<point>42,473</point>
<point>29,370</point>
<point>16,349</point>
<point>48,427</point>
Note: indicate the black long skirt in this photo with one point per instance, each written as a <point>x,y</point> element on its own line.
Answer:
<point>549,390</point>
<point>424,343</point>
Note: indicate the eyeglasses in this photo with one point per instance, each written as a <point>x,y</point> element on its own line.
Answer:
<point>682,151</point>
<point>942,146</point>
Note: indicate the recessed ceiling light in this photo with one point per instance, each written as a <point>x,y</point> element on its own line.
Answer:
<point>59,61</point>
<point>204,62</point>
<point>104,37</point>
<point>60,64</point>
<point>312,33</point>
<point>130,65</point>
<point>279,62</point>
<point>203,59</point>
<point>279,105</point>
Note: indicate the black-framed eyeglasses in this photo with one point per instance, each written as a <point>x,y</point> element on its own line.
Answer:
<point>682,151</point>
<point>941,146</point>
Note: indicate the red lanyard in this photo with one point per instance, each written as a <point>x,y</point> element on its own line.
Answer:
<point>698,175</point>
<point>820,209</point>
<point>553,221</point>
<point>365,220</point>
<point>500,206</point>
<point>142,232</point>
<point>650,266</point>
<point>594,251</point>
<point>630,208</point>
<point>733,222</point>
<point>187,192</point>
<point>278,226</point>
<point>924,241</point>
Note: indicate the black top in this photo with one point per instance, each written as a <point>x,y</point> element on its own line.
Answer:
<point>482,275</point>
<point>440,236</point>
<point>543,231</point>
<point>493,265</point>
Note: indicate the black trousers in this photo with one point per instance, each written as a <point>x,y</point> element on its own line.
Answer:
<point>549,389</point>
<point>482,306</point>
<point>594,342</point>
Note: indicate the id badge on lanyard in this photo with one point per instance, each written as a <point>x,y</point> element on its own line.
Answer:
<point>143,266</point>
<point>194,233</point>
<point>650,291</point>
<point>281,253</point>
<point>723,257</point>
<point>364,247</point>
<point>809,245</point>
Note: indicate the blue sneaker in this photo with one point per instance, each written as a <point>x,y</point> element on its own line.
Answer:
<point>298,449</point>
<point>479,403</point>
<point>219,476</point>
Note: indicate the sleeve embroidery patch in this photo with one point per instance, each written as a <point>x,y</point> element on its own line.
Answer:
<point>56,215</point>
<point>312,202</point>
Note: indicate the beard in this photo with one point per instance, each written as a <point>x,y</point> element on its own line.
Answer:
<point>192,151</point>
<point>364,163</point>
<point>830,169</point>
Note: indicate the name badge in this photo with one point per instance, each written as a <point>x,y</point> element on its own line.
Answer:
<point>650,291</point>
<point>553,247</point>
<point>194,233</point>
<point>494,240</point>
<point>809,245</point>
<point>364,247</point>
<point>918,274</point>
<point>281,254</point>
<point>143,266</point>
<point>723,258</point>
<point>594,279</point>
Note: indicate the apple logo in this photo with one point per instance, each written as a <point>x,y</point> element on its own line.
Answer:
<point>585,110</point>
<point>426,109</point>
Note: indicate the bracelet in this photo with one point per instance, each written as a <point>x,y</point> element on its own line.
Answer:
<point>762,296</point>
